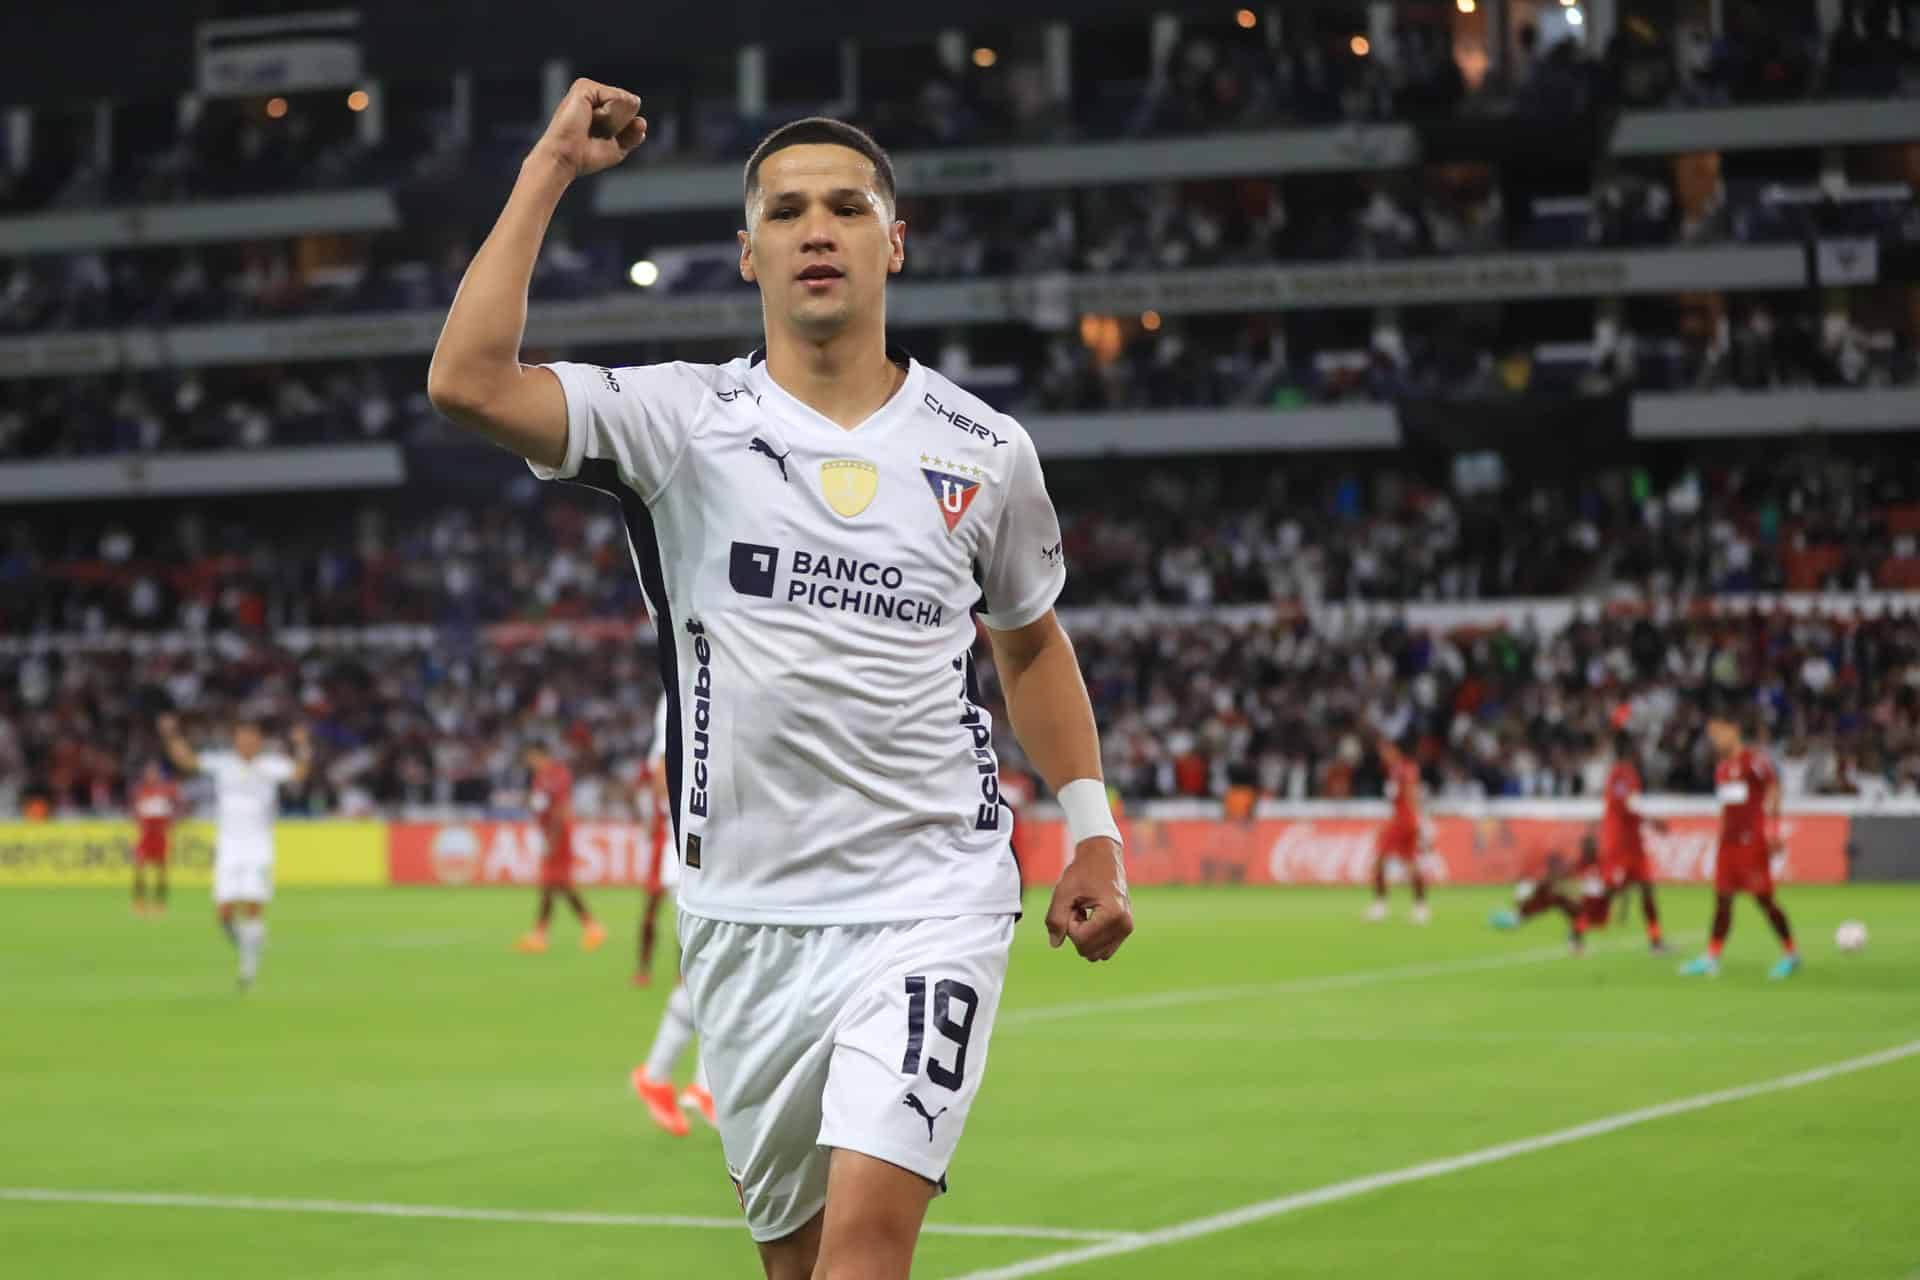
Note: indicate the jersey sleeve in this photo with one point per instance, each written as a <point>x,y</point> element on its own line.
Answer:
<point>1022,563</point>
<point>214,764</point>
<point>638,418</point>
<point>277,767</point>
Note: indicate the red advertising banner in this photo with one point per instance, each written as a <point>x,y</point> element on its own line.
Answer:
<point>1489,850</point>
<point>509,853</point>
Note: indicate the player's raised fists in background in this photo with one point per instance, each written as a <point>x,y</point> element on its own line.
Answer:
<point>1090,903</point>
<point>595,127</point>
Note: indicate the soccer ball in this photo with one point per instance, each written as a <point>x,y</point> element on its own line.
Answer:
<point>1851,936</point>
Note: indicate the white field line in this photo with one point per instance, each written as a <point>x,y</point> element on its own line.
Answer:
<point>1353,1187</point>
<point>1302,986</point>
<point>254,1204</point>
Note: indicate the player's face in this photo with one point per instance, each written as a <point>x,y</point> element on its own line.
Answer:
<point>1724,735</point>
<point>246,739</point>
<point>820,239</point>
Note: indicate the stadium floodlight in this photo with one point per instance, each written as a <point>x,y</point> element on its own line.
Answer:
<point>644,274</point>
<point>1574,17</point>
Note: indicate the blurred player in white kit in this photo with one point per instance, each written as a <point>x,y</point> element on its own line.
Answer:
<point>246,788</point>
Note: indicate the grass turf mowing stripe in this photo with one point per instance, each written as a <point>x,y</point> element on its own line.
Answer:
<point>1301,986</point>
<point>1347,1190</point>
<point>168,1200</point>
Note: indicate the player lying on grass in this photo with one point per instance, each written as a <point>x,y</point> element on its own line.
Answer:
<point>1548,892</point>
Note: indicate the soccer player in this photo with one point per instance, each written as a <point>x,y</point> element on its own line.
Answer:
<point>653,1079</point>
<point>550,795</point>
<point>1533,897</point>
<point>246,788</point>
<point>1623,850</point>
<point>813,526</point>
<point>156,803</point>
<point>1402,838</point>
<point>1749,794</point>
<point>653,779</point>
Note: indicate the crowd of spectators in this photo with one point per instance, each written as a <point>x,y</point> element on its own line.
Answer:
<point>1287,706</point>
<point>1212,79</point>
<point>1253,361</point>
<point>1090,231</point>
<point>1201,533</point>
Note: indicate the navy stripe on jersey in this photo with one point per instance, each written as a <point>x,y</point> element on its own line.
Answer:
<point>971,692</point>
<point>603,474</point>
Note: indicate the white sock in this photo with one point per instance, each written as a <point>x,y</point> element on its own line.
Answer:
<point>676,1032</point>
<point>253,939</point>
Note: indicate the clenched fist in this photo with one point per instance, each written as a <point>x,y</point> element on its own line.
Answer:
<point>595,127</point>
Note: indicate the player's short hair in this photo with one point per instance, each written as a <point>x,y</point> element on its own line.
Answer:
<point>1729,709</point>
<point>816,130</point>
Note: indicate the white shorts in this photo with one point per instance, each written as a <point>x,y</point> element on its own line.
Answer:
<point>242,880</point>
<point>868,1037</point>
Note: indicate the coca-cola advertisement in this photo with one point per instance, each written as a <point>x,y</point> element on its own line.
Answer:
<point>1460,849</point>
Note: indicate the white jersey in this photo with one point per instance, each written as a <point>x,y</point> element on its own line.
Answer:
<point>812,587</point>
<point>246,801</point>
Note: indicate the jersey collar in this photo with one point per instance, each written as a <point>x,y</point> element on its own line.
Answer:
<point>906,395</point>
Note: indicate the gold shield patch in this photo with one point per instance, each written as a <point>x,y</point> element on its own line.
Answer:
<point>849,485</point>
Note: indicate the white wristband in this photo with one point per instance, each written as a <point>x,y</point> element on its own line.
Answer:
<point>1088,815</point>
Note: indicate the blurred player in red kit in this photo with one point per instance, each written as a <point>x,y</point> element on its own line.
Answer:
<point>551,798</point>
<point>658,806</point>
<point>1402,837</point>
<point>156,803</point>
<point>1532,897</point>
<point>1623,850</point>
<point>1749,795</point>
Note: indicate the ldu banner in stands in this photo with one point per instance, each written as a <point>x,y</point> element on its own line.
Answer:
<point>1339,850</point>
<point>510,853</point>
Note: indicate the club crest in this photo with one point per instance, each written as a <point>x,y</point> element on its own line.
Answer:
<point>849,485</point>
<point>952,492</point>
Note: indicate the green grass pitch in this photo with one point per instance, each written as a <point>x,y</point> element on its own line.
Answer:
<point>397,1052</point>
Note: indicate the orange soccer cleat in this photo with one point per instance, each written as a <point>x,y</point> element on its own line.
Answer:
<point>594,934</point>
<point>532,944</point>
<point>642,979</point>
<point>698,1099</point>
<point>658,1095</point>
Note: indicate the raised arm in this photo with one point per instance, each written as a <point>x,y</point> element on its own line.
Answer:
<point>1053,719</point>
<point>476,379</point>
<point>302,754</point>
<point>178,749</point>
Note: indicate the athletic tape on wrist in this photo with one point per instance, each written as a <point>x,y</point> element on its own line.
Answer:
<point>1088,815</point>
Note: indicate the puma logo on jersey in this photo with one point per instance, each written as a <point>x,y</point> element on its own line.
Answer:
<point>779,459</point>
<point>914,1104</point>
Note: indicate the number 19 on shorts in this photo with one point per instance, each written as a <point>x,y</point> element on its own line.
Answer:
<point>945,993</point>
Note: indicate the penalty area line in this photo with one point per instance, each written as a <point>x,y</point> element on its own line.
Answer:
<point>1353,1187</point>
<point>455,1213</point>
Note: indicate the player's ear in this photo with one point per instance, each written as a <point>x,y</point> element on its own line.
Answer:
<point>746,257</point>
<point>897,237</point>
